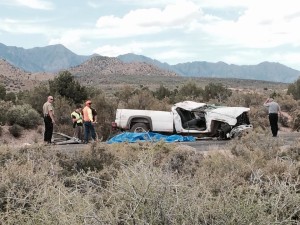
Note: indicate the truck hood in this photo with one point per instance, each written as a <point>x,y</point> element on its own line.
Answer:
<point>230,111</point>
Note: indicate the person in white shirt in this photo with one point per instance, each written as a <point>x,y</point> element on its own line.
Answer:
<point>274,110</point>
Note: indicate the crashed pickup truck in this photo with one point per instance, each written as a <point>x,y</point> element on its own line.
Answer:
<point>187,118</point>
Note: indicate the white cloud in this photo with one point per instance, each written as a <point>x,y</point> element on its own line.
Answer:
<point>113,51</point>
<point>150,20</point>
<point>292,59</point>
<point>133,47</point>
<point>34,4</point>
<point>261,26</point>
<point>72,39</point>
<point>22,26</point>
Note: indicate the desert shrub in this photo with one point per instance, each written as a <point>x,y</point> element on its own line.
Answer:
<point>262,145</point>
<point>216,91</point>
<point>296,123</point>
<point>15,130</point>
<point>11,96</point>
<point>96,159</point>
<point>284,121</point>
<point>4,107</point>
<point>294,89</point>
<point>149,183</point>
<point>259,117</point>
<point>287,103</point>
<point>162,92</point>
<point>141,100</point>
<point>2,92</point>
<point>23,115</point>
<point>178,160</point>
<point>62,111</point>
<point>189,91</point>
<point>1,131</point>
<point>124,94</point>
<point>245,99</point>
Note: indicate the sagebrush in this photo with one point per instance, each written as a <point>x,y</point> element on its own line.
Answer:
<point>151,183</point>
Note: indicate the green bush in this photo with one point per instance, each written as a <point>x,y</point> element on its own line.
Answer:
<point>66,86</point>
<point>294,89</point>
<point>23,115</point>
<point>16,130</point>
<point>4,107</point>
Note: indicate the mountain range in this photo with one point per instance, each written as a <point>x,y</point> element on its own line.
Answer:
<point>54,58</point>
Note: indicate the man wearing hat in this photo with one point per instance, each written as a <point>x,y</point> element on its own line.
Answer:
<point>88,122</point>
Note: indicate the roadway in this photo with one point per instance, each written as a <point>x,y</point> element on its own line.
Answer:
<point>284,138</point>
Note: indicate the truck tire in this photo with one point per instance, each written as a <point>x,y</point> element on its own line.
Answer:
<point>139,127</point>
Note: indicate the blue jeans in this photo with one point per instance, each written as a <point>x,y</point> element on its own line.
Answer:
<point>89,128</point>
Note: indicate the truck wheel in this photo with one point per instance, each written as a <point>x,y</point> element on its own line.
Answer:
<point>139,127</point>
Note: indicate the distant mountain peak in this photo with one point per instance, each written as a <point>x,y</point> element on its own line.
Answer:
<point>41,59</point>
<point>54,58</point>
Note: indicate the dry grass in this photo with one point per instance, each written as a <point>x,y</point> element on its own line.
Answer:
<point>146,183</point>
<point>28,137</point>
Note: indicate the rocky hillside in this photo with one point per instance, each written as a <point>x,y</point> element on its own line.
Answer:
<point>15,79</point>
<point>107,66</point>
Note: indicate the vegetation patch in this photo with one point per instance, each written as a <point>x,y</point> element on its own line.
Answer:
<point>150,183</point>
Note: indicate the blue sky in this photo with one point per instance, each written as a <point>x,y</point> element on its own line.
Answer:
<point>242,32</point>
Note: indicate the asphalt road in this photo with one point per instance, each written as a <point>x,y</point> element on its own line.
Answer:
<point>285,138</point>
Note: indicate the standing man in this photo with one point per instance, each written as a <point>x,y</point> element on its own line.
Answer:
<point>77,122</point>
<point>88,122</point>
<point>274,110</point>
<point>48,113</point>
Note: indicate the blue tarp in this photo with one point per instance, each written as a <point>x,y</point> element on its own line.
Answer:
<point>148,136</point>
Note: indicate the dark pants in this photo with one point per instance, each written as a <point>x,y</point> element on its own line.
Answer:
<point>89,128</point>
<point>48,129</point>
<point>273,118</point>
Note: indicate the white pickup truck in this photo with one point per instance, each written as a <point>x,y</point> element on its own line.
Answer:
<point>186,118</point>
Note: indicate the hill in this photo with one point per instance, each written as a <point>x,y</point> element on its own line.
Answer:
<point>267,71</point>
<point>99,67</point>
<point>15,79</point>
